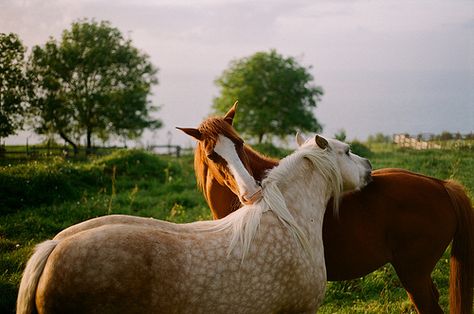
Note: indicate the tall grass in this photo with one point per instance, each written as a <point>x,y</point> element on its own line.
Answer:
<point>39,199</point>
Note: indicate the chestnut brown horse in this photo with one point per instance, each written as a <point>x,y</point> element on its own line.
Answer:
<point>402,218</point>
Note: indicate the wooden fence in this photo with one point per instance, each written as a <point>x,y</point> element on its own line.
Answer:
<point>172,150</point>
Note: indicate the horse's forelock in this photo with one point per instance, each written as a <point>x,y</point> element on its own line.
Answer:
<point>212,127</point>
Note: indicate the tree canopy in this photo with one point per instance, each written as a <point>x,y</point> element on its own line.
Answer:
<point>13,84</point>
<point>92,82</point>
<point>276,95</point>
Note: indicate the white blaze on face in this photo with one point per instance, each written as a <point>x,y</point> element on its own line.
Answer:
<point>246,183</point>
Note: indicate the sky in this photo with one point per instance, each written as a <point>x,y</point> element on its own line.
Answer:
<point>390,66</point>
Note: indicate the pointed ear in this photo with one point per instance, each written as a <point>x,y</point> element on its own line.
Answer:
<point>192,132</point>
<point>229,116</point>
<point>321,141</point>
<point>299,139</point>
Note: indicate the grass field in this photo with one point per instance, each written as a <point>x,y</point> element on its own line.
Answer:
<point>39,199</point>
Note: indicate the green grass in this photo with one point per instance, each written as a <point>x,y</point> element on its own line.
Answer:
<point>39,199</point>
<point>455,164</point>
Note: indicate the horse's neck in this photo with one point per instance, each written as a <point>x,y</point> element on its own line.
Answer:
<point>259,163</point>
<point>220,198</point>
<point>306,198</point>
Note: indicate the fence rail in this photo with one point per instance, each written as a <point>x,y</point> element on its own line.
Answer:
<point>165,149</point>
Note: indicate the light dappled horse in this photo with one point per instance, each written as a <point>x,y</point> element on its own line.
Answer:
<point>402,218</point>
<point>264,258</point>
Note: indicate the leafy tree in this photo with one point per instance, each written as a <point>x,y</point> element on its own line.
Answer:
<point>13,84</point>
<point>92,82</point>
<point>341,135</point>
<point>276,96</point>
<point>445,136</point>
<point>379,138</point>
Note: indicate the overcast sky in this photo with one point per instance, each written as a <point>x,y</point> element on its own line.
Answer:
<point>385,66</point>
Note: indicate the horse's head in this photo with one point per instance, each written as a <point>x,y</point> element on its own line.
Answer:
<point>355,170</point>
<point>220,150</point>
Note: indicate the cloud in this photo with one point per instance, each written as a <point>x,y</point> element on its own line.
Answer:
<point>192,41</point>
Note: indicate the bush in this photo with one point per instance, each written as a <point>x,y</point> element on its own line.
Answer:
<point>56,180</point>
<point>136,164</point>
<point>360,149</point>
<point>271,150</point>
<point>379,138</point>
<point>36,183</point>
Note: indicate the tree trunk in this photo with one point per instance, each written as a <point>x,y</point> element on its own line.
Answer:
<point>88,139</point>
<point>74,146</point>
<point>260,138</point>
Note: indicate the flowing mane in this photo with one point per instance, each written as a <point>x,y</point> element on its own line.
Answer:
<point>244,222</point>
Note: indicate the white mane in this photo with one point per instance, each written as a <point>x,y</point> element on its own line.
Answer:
<point>244,222</point>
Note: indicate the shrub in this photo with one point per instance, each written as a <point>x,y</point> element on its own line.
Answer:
<point>36,183</point>
<point>57,180</point>
<point>136,164</point>
<point>360,149</point>
<point>271,150</point>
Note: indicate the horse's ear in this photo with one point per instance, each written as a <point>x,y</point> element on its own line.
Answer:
<point>321,141</point>
<point>299,139</point>
<point>192,132</point>
<point>229,116</point>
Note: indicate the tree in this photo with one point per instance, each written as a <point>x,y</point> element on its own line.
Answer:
<point>92,82</point>
<point>13,84</point>
<point>379,138</point>
<point>275,95</point>
<point>341,135</point>
<point>445,136</point>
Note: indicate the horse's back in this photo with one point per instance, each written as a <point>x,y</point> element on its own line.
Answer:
<point>112,219</point>
<point>414,203</point>
<point>142,269</point>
